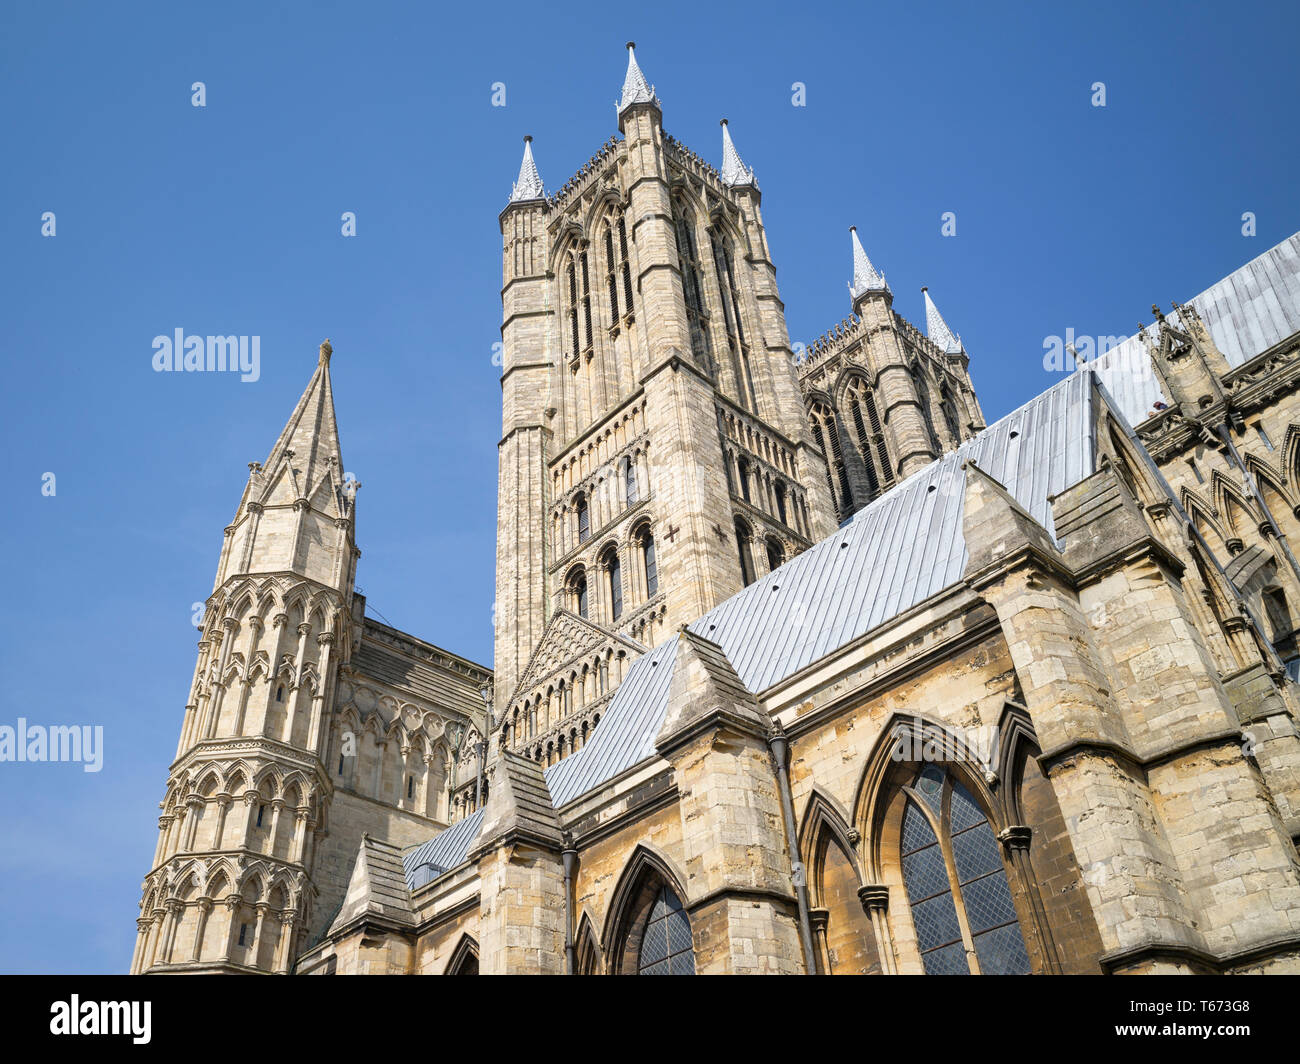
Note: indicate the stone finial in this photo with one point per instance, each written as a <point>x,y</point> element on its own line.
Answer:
<point>635,87</point>
<point>937,329</point>
<point>865,276</point>
<point>528,186</point>
<point>326,349</point>
<point>734,171</point>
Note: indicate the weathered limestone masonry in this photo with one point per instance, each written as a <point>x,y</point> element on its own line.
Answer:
<point>687,470</point>
<point>527,363</point>
<point>715,736</point>
<point>1035,679</point>
<point>520,872</point>
<point>1229,446</point>
<point>1188,863</point>
<point>309,728</point>
<point>911,436</point>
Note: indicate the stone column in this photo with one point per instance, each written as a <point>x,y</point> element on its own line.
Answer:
<point>874,898</point>
<point>820,918</point>
<point>205,907</point>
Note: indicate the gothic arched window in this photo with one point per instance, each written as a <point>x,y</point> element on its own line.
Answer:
<point>627,265</point>
<point>724,266</point>
<point>827,434</point>
<point>956,882</point>
<point>578,592</point>
<point>573,308</point>
<point>691,289</point>
<point>614,573</point>
<point>923,394</point>
<point>654,931</point>
<point>612,273</point>
<point>775,553</point>
<point>666,939</point>
<point>949,410</point>
<point>746,561</point>
<point>742,465</point>
<point>650,563</point>
<point>870,437</point>
<point>584,518</point>
<point>629,481</point>
<point>779,492</point>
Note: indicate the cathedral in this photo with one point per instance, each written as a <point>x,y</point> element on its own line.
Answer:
<point>799,666</point>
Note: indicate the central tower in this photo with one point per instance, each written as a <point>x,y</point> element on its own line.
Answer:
<point>655,455</point>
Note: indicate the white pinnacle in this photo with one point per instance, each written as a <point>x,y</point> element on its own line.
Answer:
<point>529,185</point>
<point>937,329</point>
<point>865,277</point>
<point>635,87</point>
<point>734,171</point>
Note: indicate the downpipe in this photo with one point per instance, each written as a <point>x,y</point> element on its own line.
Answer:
<point>780,747</point>
<point>570,857</point>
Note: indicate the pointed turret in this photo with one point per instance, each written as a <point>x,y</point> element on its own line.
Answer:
<point>277,624</point>
<point>302,475</point>
<point>310,438</point>
<point>734,171</point>
<point>865,276</point>
<point>937,329</point>
<point>635,87</point>
<point>529,184</point>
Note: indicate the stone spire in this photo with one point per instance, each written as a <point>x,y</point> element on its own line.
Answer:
<point>635,87</point>
<point>529,185</point>
<point>865,277</point>
<point>937,329</point>
<point>734,171</point>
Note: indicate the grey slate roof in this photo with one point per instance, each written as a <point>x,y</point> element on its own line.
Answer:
<point>1247,312</point>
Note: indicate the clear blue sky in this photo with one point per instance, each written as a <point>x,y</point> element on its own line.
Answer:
<point>226,219</point>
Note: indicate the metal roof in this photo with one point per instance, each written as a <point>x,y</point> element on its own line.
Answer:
<point>1246,313</point>
<point>626,733</point>
<point>900,550</point>
<point>441,853</point>
<point>903,548</point>
<point>908,545</point>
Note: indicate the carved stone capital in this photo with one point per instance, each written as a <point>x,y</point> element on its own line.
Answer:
<point>819,918</point>
<point>1015,837</point>
<point>874,898</point>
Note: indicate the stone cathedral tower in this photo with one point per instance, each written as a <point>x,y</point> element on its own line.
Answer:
<point>656,454</point>
<point>249,790</point>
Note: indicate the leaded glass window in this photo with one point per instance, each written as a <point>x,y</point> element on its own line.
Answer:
<point>666,947</point>
<point>615,586</point>
<point>651,566</point>
<point>956,882</point>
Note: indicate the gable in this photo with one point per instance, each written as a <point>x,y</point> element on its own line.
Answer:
<point>567,638</point>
